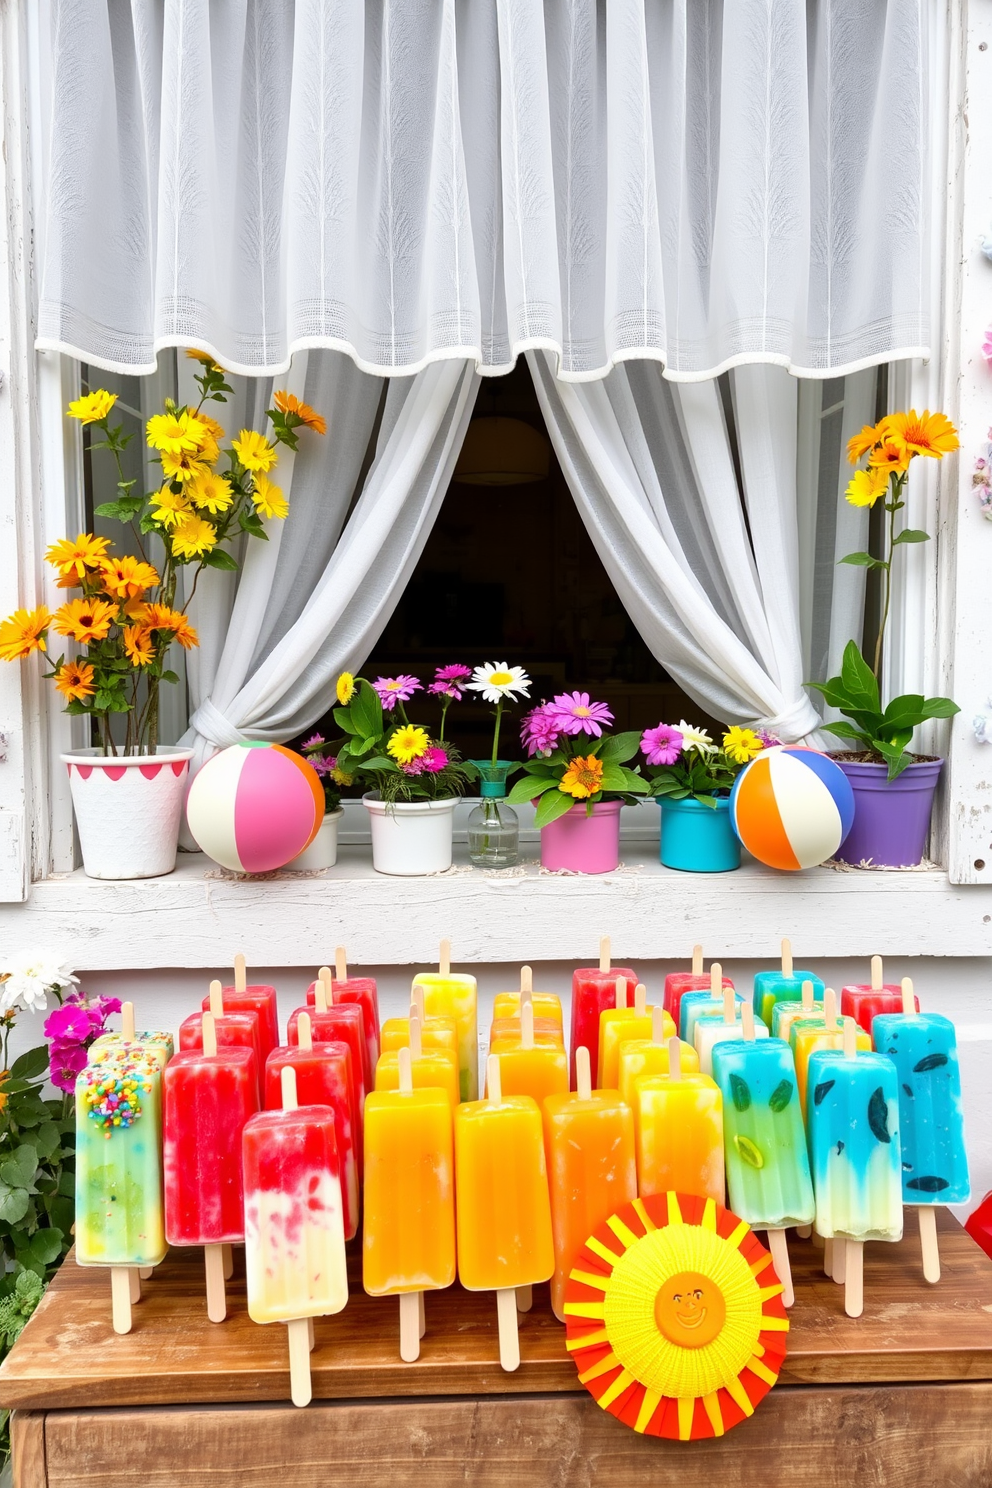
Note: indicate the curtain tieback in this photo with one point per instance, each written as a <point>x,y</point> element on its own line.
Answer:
<point>793,723</point>
<point>211,725</point>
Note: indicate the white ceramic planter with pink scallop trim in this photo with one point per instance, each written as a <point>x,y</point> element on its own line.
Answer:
<point>128,810</point>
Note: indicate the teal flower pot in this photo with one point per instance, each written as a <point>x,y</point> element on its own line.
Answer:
<point>697,838</point>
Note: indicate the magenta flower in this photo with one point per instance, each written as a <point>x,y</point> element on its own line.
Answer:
<point>540,730</point>
<point>577,715</point>
<point>768,740</point>
<point>446,689</point>
<point>455,673</point>
<point>987,345</point>
<point>414,767</point>
<point>393,690</point>
<point>70,1024</point>
<point>104,1006</point>
<point>661,745</point>
<point>434,760</point>
<point>324,766</point>
<point>65,1063</point>
<point>315,742</point>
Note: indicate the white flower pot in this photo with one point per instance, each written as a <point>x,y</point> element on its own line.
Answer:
<point>323,850</point>
<point>128,809</point>
<point>411,838</point>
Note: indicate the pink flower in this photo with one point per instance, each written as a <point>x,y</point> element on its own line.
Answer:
<point>987,345</point>
<point>415,767</point>
<point>575,714</point>
<point>434,760</point>
<point>393,690</point>
<point>323,765</point>
<point>767,739</point>
<point>315,742</point>
<point>661,745</point>
<point>446,689</point>
<point>71,1024</point>
<point>66,1062</point>
<point>454,673</point>
<point>540,730</point>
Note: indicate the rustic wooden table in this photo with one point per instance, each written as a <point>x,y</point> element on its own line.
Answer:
<point>901,1396</point>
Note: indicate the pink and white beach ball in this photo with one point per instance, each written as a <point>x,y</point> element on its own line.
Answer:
<point>255,807</point>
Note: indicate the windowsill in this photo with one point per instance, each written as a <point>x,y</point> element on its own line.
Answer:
<point>194,916</point>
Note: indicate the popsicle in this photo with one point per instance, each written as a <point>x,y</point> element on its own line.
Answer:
<point>449,994</point>
<point>863,1003</point>
<point>408,1244</point>
<point>784,1014</point>
<point>119,1200</point>
<point>431,1069</point>
<point>360,990</point>
<point>640,1057</point>
<point>435,1033</point>
<point>337,1022</point>
<point>527,1067</point>
<point>546,1004</point>
<point>502,1204</point>
<point>678,983</point>
<point>594,989</point>
<point>767,1163</point>
<point>294,1230</point>
<point>592,1172</point>
<point>781,986</point>
<point>710,1030</point>
<point>546,1030</point>
<point>232,1030</point>
<point>128,1042</point>
<point>852,1118</point>
<point>324,1077</point>
<point>208,1095</point>
<point>808,1035</point>
<point>704,1002</point>
<point>678,1132</point>
<point>621,1023</point>
<point>923,1048</point>
<point>258,998</point>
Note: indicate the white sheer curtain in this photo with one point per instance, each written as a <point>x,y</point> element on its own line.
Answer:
<point>711,581</point>
<point>312,601</point>
<point>701,182</point>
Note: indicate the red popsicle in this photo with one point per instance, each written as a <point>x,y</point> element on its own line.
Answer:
<point>324,1077</point>
<point>258,998</point>
<point>863,1003</point>
<point>352,989</point>
<point>679,982</point>
<point>593,989</point>
<point>233,1030</point>
<point>209,1094</point>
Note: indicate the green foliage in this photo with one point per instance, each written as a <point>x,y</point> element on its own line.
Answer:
<point>883,733</point>
<point>696,776</point>
<point>363,752</point>
<point>542,775</point>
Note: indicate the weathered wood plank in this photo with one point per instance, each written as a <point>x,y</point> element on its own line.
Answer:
<point>27,1445</point>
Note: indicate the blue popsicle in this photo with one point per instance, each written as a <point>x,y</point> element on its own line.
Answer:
<point>785,985</point>
<point>923,1048</point>
<point>852,1116</point>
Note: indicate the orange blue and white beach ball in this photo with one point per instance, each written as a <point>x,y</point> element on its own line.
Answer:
<point>792,807</point>
<point>255,807</point>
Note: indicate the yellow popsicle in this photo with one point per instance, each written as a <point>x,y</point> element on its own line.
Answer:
<point>617,1026</point>
<point>544,1028</point>
<point>640,1057</point>
<point>527,1067</point>
<point>452,995</point>
<point>437,1033</point>
<point>678,1132</point>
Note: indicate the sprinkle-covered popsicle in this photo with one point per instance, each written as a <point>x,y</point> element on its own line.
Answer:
<point>593,989</point>
<point>781,986</point>
<point>449,994</point>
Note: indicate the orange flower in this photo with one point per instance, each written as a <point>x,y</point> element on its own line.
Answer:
<point>74,680</point>
<point>127,577</point>
<point>925,433</point>
<point>583,777</point>
<point>85,619</point>
<point>298,412</point>
<point>862,443</point>
<point>891,454</point>
<point>160,617</point>
<point>74,559</point>
<point>205,358</point>
<point>213,428</point>
<point>23,633</point>
<point>138,644</point>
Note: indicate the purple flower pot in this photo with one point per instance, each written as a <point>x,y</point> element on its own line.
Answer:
<point>891,818</point>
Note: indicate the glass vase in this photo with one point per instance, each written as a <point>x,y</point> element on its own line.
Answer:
<point>493,828</point>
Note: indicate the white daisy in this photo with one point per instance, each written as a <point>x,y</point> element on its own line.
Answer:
<point>696,738</point>
<point>499,681</point>
<point>29,976</point>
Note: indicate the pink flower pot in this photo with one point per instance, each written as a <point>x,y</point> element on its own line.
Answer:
<point>582,842</point>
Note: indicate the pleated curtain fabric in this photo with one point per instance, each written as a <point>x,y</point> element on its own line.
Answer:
<point>703,183</point>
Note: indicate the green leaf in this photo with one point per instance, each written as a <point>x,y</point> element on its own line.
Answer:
<point>635,782</point>
<point>218,558</point>
<point>862,560</point>
<point>894,755</point>
<point>45,1246</point>
<point>620,748</point>
<point>911,535</point>
<point>858,679</point>
<point>939,707</point>
<point>380,762</point>
<point>46,1139</point>
<point>67,1184</point>
<point>845,731</point>
<point>19,1167</point>
<point>14,1203</point>
<point>170,677</point>
<point>551,806</point>
<point>529,787</point>
<point>366,711</point>
<point>613,779</point>
<point>343,719</point>
<point>31,1065</point>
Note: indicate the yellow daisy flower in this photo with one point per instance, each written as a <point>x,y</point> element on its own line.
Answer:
<point>345,688</point>
<point>924,433</point>
<point>268,498</point>
<point>193,537</point>
<point>169,506</point>
<point>866,486</point>
<point>92,407</point>
<point>85,619</point>
<point>408,743</point>
<point>23,633</point>
<point>583,778</point>
<point>126,577</point>
<point>741,744</point>
<point>211,492</point>
<point>74,680</point>
<point>161,617</point>
<point>184,467</point>
<point>254,450</point>
<point>175,433</point>
<point>76,557</point>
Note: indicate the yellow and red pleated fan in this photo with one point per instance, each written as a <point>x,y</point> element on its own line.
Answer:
<point>674,1316</point>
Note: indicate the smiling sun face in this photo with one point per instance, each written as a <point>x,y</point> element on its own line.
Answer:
<point>690,1309</point>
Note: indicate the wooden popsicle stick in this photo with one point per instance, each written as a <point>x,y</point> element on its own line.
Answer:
<point>583,1073</point>
<point>804,1231</point>
<point>850,1038</point>
<point>127,1022</point>
<point>697,960</point>
<point>208,1033</point>
<point>228,1261</point>
<point>729,1005</point>
<point>300,1388</point>
<point>304,1031</point>
<point>213,1263</point>
<point>311,1338</point>
<point>134,1284</point>
<point>146,1272</point>
<point>494,1085</point>
<point>240,973</point>
<point>525,1298</point>
<point>828,1257</point>
<point>509,1338</point>
<point>620,998</point>
<point>657,1025</point>
<point>674,1059</point>
<point>928,1242</point>
<point>409,1326</point>
<point>779,1247</point>
<point>807,997</point>
<point>340,963</point>
<point>839,1268</point>
<point>416,1044</point>
<point>908,1000</point>
<point>747,1021</point>
<point>422,1313</point>
<point>787,958</point>
<point>526,983</point>
<point>325,981</point>
<point>854,1284</point>
<point>877,979</point>
<point>604,953</point>
<point>640,1000</point>
<point>404,1065</point>
<point>830,1009</point>
<point>287,1084</point>
<point>120,1298</point>
<point>444,958</point>
<point>527,1026</point>
<point>216,998</point>
<point>418,997</point>
<point>716,979</point>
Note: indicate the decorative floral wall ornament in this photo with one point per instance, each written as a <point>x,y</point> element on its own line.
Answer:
<point>982,477</point>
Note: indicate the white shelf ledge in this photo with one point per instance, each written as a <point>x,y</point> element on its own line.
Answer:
<point>194,917</point>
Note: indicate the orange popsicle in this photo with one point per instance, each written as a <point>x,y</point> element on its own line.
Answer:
<point>527,1067</point>
<point>432,1069</point>
<point>678,1131</point>
<point>546,1004</point>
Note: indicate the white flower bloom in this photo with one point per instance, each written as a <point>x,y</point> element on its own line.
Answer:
<point>696,738</point>
<point>20,991</point>
<point>499,680</point>
<point>30,976</point>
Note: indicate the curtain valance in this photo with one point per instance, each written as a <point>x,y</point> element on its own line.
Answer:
<point>701,182</point>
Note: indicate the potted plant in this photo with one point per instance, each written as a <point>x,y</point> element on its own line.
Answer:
<point>323,850</point>
<point>893,788</point>
<point>416,780</point>
<point>125,614</point>
<point>691,779</point>
<point>579,777</point>
<point>493,827</point>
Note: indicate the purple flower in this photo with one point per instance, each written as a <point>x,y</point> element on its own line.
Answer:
<point>66,1062</point>
<point>314,742</point>
<point>393,690</point>
<point>446,689</point>
<point>768,740</point>
<point>455,673</point>
<point>105,1006</point>
<point>575,714</point>
<point>324,766</point>
<point>540,730</point>
<point>414,767</point>
<point>661,745</point>
<point>434,760</point>
<point>70,1024</point>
